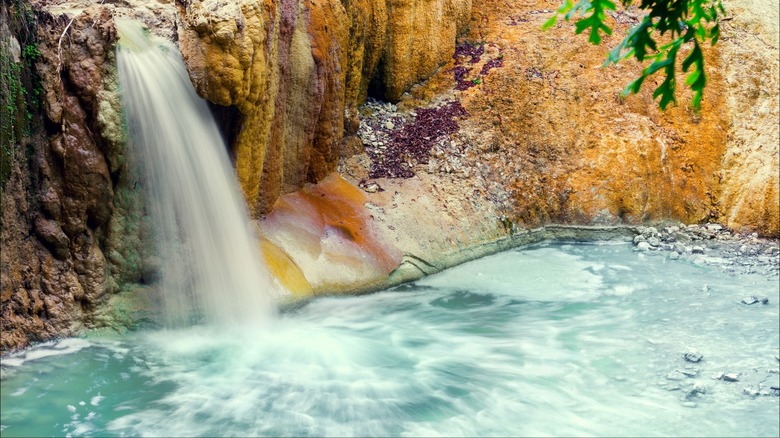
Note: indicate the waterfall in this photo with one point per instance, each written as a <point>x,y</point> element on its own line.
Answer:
<point>211,264</point>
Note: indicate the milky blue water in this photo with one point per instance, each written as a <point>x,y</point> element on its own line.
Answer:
<point>553,339</point>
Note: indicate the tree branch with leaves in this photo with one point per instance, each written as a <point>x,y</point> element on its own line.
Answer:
<point>683,22</point>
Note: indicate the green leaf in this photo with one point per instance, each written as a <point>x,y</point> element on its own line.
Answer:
<point>550,22</point>
<point>715,33</point>
<point>634,86</point>
<point>692,78</point>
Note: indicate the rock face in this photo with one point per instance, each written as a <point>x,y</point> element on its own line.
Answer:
<point>551,139</point>
<point>60,196</point>
<point>296,70</point>
<point>750,198</point>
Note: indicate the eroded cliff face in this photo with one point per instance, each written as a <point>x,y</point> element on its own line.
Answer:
<point>297,70</point>
<point>750,197</point>
<point>549,139</point>
<point>59,199</point>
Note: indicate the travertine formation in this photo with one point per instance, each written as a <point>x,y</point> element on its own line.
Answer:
<point>296,70</point>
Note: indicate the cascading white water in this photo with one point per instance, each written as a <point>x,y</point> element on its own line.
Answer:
<point>210,259</point>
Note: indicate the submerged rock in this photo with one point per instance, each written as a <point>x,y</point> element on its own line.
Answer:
<point>693,356</point>
<point>750,300</point>
<point>730,377</point>
<point>697,389</point>
<point>754,299</point>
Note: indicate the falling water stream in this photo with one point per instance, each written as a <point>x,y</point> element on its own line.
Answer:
<point>551,339</point>
<point>210,261</point>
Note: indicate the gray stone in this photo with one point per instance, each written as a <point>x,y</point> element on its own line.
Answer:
<point>730,377</point>
<point>675,375</point>
<point>751,391</point>
<point>639,238</point>
<point>693,356</point>
<point>714,227</point>
<point>674,255</point>
<point>643,246</point>
<point>698,388</point>
<point>750,300</point>
<point>689,373</point>
<point>654,241</point>
<point>697,250</point>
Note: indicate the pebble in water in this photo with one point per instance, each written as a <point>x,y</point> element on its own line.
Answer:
<point>754,299</point>
<point>693,356</point>
<point>698,388</point>
<point>750,300</point>
<point>730,377</point>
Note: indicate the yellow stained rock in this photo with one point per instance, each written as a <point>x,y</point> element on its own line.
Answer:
<point>284,269</point>
<point>326,231</point>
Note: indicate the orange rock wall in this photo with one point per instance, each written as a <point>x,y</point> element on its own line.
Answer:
<point>297,70</point>
<point>550,127</point>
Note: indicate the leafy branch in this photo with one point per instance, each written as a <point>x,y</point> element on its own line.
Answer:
<point>687,23</point>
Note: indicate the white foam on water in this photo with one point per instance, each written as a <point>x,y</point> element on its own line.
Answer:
<point>45,349</point>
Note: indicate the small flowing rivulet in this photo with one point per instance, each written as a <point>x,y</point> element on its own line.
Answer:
<point>212,268</point>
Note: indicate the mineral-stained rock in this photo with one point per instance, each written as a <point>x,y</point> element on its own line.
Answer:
<point>61,193</point>
<point>420,36</point>
<point>297,69</point>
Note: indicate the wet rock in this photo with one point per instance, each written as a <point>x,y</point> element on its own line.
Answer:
<point>754,299</point>
<point>675,375</point>
<point>697,250</point>
<point>643,246</point>
<point>654,241</point>
<point>639,238</point>
<point>730,377</point>
<point>697,389</point>
<point>749,300</point>
<point>674,255</point>
<point>690,372</point>
<point>693,356</point>
<point>752,391</point>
